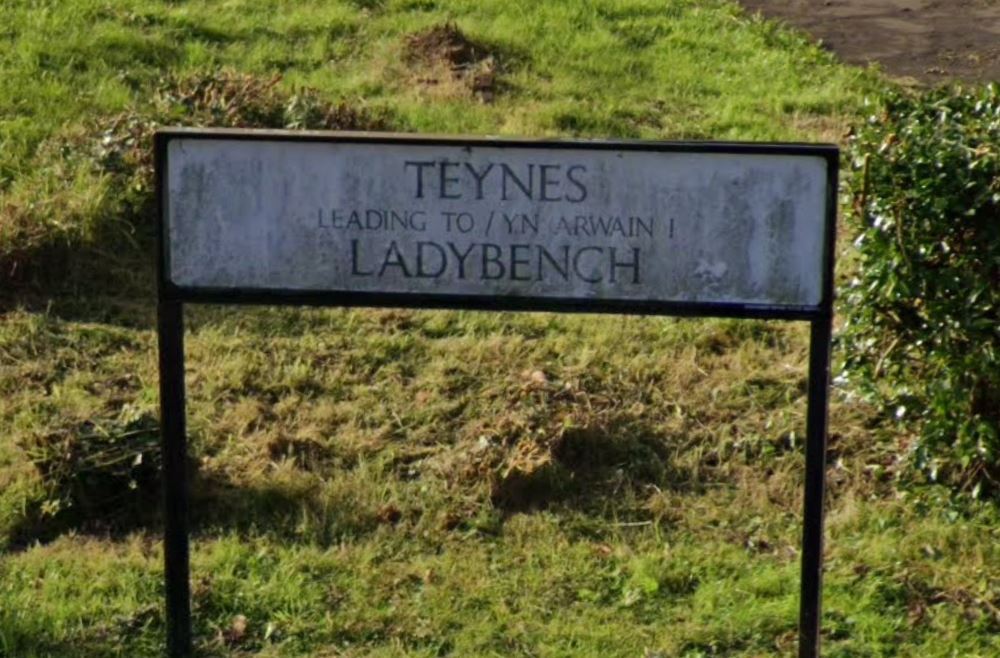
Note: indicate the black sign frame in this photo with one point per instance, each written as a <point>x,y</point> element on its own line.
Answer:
<point>170,334</point>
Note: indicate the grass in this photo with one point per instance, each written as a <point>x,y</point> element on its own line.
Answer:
<point>395,483</point>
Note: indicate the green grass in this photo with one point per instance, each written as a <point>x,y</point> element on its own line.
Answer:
<point>392,483</point>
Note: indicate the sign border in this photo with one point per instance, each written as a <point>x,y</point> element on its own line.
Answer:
<point>170,338</point>
<point>279,296</point>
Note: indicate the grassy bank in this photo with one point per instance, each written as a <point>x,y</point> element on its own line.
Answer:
<point>391,483</point>
<point>80,76</point>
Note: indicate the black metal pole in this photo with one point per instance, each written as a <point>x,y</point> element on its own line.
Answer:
<point>810,604</point>
<point>175,484</point>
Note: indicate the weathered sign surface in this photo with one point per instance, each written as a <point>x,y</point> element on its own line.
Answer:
<point>495,220</point>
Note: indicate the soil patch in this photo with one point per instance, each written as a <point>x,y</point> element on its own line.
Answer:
<point>927,41</point>
<point>444,58</point>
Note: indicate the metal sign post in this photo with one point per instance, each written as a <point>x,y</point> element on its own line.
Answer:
<point>376,220</point>
<point>170,327</point>
<point>811,587</point>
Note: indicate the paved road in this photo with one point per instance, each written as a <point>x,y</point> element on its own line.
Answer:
<point>930,41</point>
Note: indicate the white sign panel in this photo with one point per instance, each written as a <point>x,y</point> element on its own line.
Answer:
<point>493,220</point>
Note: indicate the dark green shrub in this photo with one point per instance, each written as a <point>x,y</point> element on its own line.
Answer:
<point>923,312</point>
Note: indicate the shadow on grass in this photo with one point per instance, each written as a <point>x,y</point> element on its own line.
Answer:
<point>602,476</point>
<point>25,640</point>
<point>114,507</point>
<point>601,472</point>
<point>95,480</point>
<point>115,285</point>
<point>111,486</point>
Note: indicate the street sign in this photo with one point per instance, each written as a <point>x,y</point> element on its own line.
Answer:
<point>534,222</point>
<point>362,219</point>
